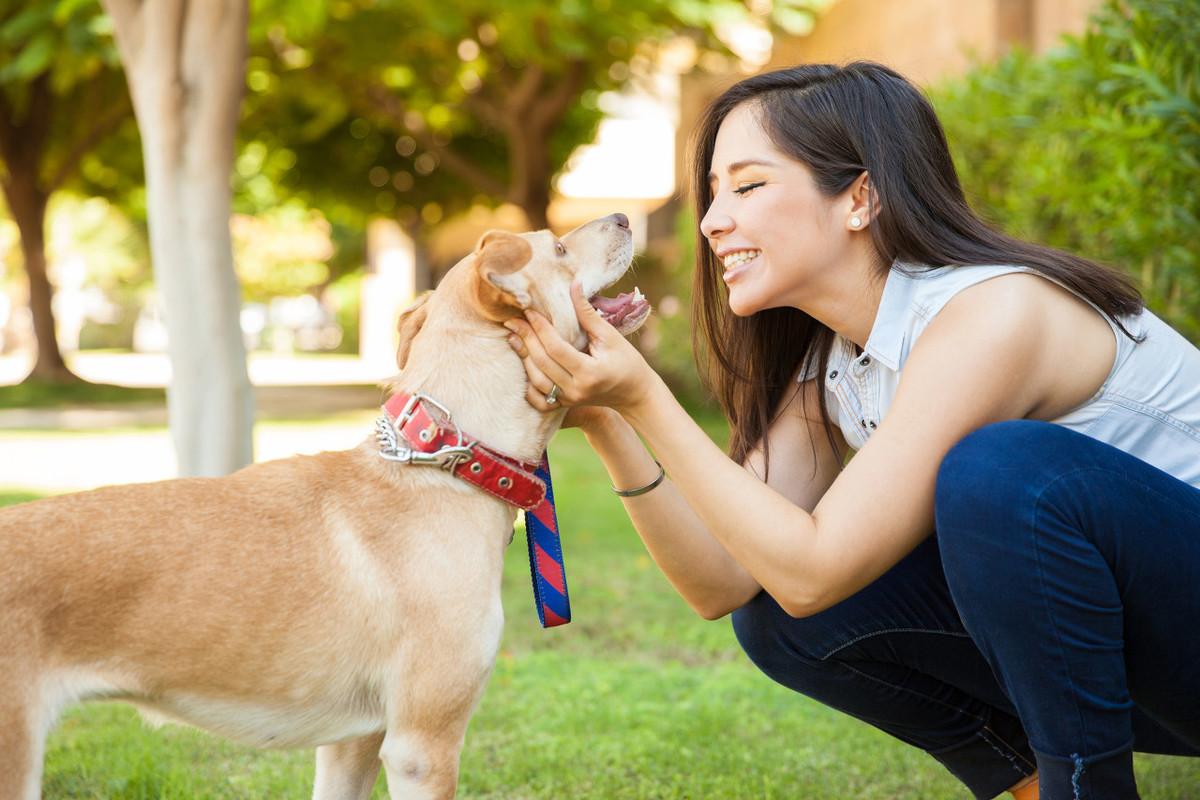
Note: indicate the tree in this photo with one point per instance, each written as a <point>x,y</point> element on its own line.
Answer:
<point>61,95</point>
<point>185,67</point>
<point>493,98</point>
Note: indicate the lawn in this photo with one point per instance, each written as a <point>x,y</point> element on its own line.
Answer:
<point>41,394</point>
<point>637,698</point>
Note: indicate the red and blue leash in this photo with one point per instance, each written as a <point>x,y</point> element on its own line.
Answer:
<point>546,566</point>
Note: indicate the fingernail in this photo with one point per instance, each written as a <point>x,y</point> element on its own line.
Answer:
<point>514,341</point>
<point>508,324</point>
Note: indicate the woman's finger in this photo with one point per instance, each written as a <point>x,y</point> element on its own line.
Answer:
<point>537,399</point>
<point>593,324</point>
<point>553,345</point>
<point>535,346</point>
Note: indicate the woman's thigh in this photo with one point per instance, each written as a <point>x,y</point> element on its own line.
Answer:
<point>1075,566</point>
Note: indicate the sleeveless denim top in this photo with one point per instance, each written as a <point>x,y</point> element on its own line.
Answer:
<point>1148,406</point>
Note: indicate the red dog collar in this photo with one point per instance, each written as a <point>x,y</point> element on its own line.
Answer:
<point>432,438</point>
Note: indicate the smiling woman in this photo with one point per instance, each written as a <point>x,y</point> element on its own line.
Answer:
<point>998,575</point>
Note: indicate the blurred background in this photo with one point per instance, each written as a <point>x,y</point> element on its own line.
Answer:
<point>377,139</point>
<point>314,166</point>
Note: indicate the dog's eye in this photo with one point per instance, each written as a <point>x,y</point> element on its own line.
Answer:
<point>560,248</point>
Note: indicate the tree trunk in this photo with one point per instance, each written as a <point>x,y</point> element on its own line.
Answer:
<point>185,63</point>
<point>27,204</point>
<point>22,146</point>
<point>530,167</point>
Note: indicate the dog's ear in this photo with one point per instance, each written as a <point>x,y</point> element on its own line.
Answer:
<point>411,320</point>
<point>500,290</point>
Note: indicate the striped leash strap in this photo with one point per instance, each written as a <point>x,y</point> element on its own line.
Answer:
<point>546,565</point>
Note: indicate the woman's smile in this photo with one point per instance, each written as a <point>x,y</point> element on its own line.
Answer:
<point>737,262</point>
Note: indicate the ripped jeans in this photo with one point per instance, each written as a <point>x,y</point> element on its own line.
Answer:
<point>1050,622</point>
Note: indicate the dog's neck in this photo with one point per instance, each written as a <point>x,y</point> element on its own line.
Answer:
<point>465,363</point>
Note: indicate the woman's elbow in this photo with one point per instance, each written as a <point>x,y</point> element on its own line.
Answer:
<point>712,611</point>
<point>799,606</point>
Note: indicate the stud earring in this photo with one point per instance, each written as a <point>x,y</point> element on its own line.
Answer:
<point>855,222</point>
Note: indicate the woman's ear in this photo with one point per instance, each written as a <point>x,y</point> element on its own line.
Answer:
<point>864,202</point>
<point>501,291</point>
<point>409,325</point>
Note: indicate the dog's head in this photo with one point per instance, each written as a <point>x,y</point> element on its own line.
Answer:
<point>517,272</point>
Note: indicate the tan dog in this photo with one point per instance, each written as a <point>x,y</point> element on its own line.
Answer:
<point>340,601</point>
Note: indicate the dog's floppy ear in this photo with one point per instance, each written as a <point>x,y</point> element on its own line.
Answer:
<point>411,320</point>
<point>500,289</point>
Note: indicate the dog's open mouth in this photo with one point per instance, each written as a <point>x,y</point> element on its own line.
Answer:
<point>626,312</point>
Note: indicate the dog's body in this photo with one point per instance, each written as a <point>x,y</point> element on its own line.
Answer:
<point>339,601</point>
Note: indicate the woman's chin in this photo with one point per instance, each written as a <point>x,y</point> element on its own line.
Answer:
<point>743,306</point>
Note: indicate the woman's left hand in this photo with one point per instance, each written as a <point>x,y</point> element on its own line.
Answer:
<point>612,373</point>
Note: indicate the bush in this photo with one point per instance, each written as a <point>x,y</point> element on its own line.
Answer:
<point>1095,147</point>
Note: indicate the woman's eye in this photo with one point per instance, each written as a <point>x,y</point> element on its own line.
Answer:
<point>747,187</point>
<point>560,248</point>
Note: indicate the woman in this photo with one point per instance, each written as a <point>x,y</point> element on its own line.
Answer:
<point>1045,629</point>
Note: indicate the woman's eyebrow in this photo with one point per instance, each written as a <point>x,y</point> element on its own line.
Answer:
<point>739,165</point>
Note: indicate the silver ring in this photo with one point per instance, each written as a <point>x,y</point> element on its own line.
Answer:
<point>552,398</point>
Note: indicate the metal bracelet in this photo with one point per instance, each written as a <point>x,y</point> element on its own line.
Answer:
<point>662,473</point>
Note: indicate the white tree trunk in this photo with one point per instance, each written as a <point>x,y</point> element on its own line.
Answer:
<point>185,64</point>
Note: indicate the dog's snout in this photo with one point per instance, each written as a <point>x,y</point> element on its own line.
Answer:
<point>620,219</point>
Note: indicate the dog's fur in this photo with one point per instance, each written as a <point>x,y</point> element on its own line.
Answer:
<point>339,601</point>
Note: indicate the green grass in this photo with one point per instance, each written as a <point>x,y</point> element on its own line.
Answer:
<point>637,698</point>
<point>42,394</point>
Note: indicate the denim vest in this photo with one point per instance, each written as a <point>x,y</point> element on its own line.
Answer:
<point>1148,406</point>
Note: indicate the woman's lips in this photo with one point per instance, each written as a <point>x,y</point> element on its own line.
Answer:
<point>731,274</point>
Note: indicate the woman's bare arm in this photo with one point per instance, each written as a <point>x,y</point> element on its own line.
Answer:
<point>696,564</point>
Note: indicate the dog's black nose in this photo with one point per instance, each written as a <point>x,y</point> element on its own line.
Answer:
<point>621,220</point>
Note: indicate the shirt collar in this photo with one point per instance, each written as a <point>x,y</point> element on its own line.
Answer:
<point>890,329</point>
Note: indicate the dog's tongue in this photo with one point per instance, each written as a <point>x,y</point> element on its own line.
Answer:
<point>626,312</point>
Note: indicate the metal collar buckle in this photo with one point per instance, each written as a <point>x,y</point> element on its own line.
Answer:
<point>387,434</point>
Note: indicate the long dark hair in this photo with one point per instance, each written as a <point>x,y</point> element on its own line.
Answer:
<point>840,122</point>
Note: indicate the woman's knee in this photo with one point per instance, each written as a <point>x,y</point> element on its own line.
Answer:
<point>986,484</point>
<point>998,472</point>
<point>988,459</point>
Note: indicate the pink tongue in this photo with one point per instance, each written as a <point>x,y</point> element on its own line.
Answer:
<point>611,305</point>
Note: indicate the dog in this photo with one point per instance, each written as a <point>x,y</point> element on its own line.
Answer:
<point>341,601</point>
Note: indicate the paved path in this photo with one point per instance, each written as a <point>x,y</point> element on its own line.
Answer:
<point>55,450</point>
<point>48,461</point>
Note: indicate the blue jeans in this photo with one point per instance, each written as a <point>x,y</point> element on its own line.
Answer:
<point>1051,622</point>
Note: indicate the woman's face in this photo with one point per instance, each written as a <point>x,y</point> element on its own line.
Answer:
<point>772,230</point>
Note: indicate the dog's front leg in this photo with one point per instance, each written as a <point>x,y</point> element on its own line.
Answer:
<point>347,770</point>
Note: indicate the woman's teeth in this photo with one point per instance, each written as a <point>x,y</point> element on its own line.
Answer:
<point>740,257</point>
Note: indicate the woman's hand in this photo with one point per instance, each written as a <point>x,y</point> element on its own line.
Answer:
<point>612,373</point>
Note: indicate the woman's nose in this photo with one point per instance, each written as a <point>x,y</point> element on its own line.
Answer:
<point>715,223</point>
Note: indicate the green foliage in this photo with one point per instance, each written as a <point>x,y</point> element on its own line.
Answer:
<point>345,297</point>
<point>1095,147</point>
<point>60,83</point>
<point>282,251</point>
<point>419,110</point>
<point>673,355</point>
<point>69,39</point>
